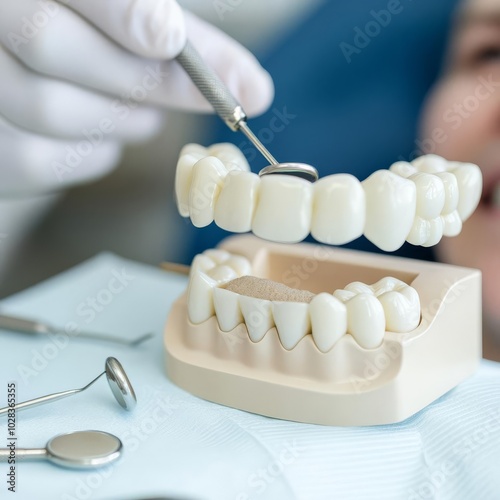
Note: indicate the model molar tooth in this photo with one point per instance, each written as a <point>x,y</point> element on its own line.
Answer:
<point>328,320</point>
<point>366,320</point>
<point>292,322</point>
<point>357,287</point>
<point>390,209</point>
<point>430,164</point>
<point>470,185</point>
<point>207,180</point>
<point>237,200</point>
<point>230,155</point>
<point>217,255</point>
<point>338,209</point>
<point>401,306</point>
<point>284,209</point>
<point>189,156</point>
<point>430,195</point>
<point>452,224</point>
<point>227,309</point>
<point>258,316</point>
<point>451,192</point>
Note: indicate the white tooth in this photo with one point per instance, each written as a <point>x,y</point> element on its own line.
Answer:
<point>452,224</point>
<point>451,192</point>
<point>222,273</point>
<point>431,164</point>
<point>430,195</point>
<point>202,262</point>
<point>230,155</point>
<point>207,180</point>
<point>366,320</point>
<point>200,297</point>
<point>401,305</point>
<point>390,209</point>
<point>328,320</point>
<point>403,168</point>
<point>435,232</point>
<point>357,287</point>
<point>420,231</point>
<point>343,295</point>
<point>184,175</point>
<point>235,206</point>
<point>227,309</point>
<point>258,316</point>
<point>292,322</point>
<point>284,209</point>
<point>338,210</point>
<point>242,266</point>
<point>470,185</point>
<point>217,256</point>
<point>196,149</point>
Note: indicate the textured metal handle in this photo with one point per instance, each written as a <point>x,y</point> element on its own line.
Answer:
<point>211,86</point>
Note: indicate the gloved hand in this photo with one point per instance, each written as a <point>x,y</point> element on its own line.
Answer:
<point>79,78</point>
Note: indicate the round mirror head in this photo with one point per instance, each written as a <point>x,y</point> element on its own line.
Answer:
<point>84,449</point>
<point>301,170</point>
<point>120,384</point>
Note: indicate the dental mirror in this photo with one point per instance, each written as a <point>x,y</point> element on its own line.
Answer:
<point>230,110</point>
<point>118,382</point>
<point>77,450</point>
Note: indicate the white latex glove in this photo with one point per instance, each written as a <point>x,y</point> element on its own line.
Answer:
<point>79,78</point>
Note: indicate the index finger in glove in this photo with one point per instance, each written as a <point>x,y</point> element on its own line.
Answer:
<point>150,28</point>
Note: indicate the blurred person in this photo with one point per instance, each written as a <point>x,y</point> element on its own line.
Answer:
<point>464,108</point>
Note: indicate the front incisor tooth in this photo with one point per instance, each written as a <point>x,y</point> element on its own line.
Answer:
<point>338,209</point>
<point>235,206</point>
<point>258,316</point>
<point>328,320</point>
<point>227,309</point>
<point>390,209</point>
<point>208,177</point>
<point>292,322</point>
<point>284,209</point>
<point>366,320</point>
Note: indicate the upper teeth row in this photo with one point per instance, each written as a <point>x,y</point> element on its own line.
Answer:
<point>363,311</point>
<point>418,202</point>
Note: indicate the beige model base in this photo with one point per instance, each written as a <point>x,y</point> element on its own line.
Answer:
<point>347,385</point>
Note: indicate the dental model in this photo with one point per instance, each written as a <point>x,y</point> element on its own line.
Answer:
<point>418,202</point>
<point>326,349</point>
<point>356,338</point>
<point>220,285</point>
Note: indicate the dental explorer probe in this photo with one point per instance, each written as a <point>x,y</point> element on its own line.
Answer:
<point>230,110</point>
<point>37,327</point>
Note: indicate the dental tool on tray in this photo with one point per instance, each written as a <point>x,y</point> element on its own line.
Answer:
<point>29,326</point>
<point>230,110</point>
<point>118,382</point>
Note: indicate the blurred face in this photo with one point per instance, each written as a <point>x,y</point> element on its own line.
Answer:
<point>465,104</point>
